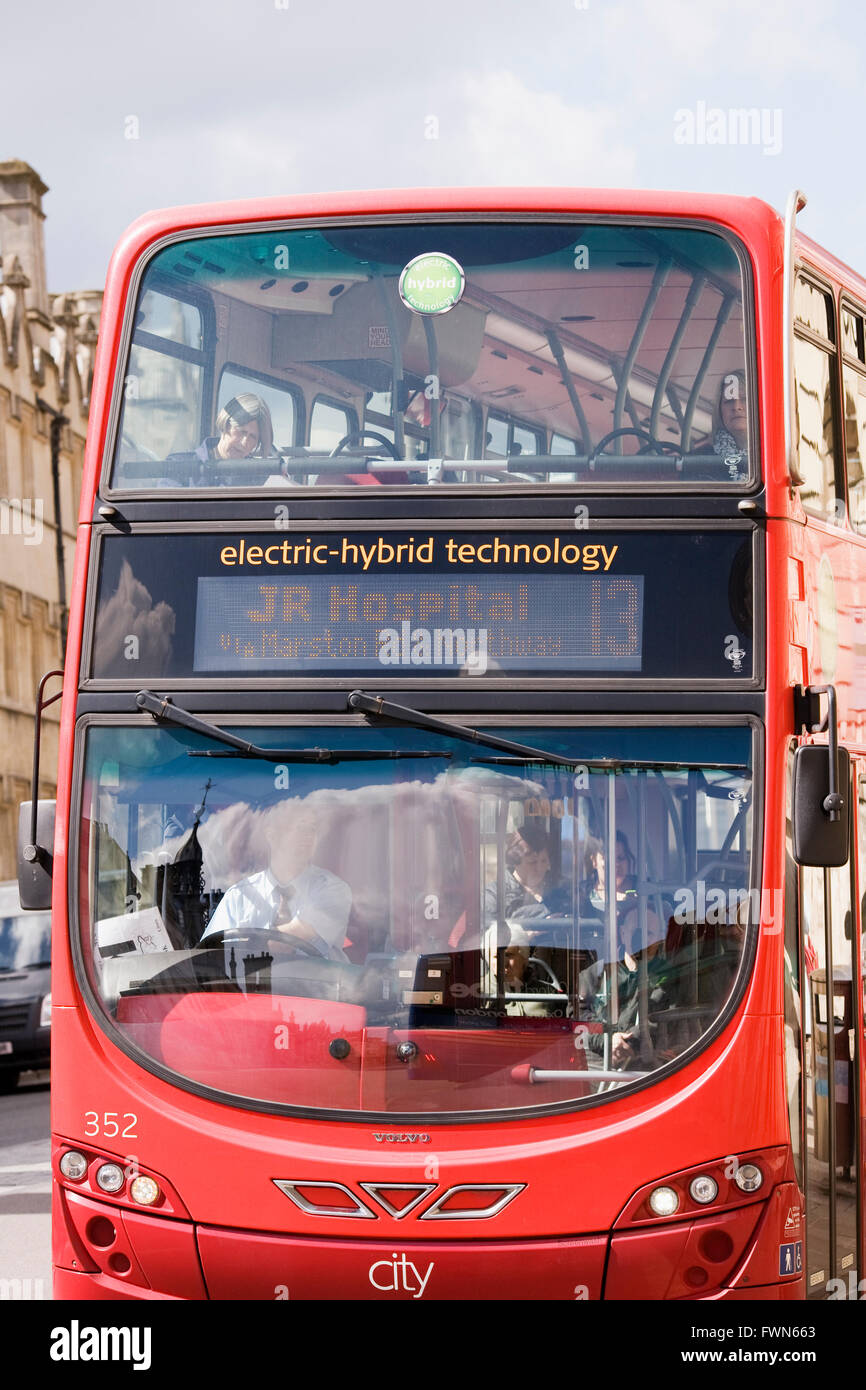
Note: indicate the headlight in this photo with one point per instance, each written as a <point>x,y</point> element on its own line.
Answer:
<point>73,1165</point>
<point>663,1201</point>
<point>45,1012</point>
<point>748,1177</point>
<point>704,1189</point>
<point>110,1177</point>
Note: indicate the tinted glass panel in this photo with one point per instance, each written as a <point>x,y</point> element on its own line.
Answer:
<point>852,334</point>
<point>170,317</point>
<point>813,368</point>
<point>854,396</point>
<point>485,919</point>
<point>162,410</point>
<point>814,308</point>
<point>627,342</point>
<point>328,425</point>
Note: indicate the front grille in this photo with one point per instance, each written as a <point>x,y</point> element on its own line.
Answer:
<point>13,1018</point>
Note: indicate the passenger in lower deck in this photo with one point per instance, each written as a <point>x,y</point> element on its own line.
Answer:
<point>523,973</point>
<point>671,983</point>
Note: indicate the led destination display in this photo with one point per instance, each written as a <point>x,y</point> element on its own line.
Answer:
<point>627,605</point>
<point>584,624</point>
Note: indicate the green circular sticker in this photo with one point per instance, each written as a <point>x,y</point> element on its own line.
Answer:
<point>432,283</point>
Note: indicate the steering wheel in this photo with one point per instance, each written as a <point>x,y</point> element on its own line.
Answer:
<point>285,939</point>
<point>357,437</point>
<point>656,446</point>
<point>544,970</point>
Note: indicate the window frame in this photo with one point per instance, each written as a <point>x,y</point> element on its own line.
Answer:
<point>847,303</point>
<point>275,384</point>
<point>512,421</point>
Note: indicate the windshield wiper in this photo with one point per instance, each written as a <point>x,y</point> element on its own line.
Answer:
<point>241,748</point>
<point>402,714</point>
<point>525,753</point>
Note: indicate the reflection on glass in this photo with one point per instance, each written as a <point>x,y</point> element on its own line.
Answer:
<point>25,941</point>
<point>607,342</point>
<point>540,934</point>
<point>813,369</point>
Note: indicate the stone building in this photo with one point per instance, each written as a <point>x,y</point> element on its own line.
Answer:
<point>47,346</point>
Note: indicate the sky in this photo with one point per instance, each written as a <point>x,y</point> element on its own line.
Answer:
<point>125,107</point>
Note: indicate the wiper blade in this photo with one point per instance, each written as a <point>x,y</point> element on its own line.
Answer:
<point>522,753</point>
<point>240,748</point>
<point>639,764</point>
<point>402,714</point>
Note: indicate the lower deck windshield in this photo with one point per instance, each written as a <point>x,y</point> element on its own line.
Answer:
<point>447,932</point>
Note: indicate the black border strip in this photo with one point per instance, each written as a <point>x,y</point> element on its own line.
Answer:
<point>547,680</point>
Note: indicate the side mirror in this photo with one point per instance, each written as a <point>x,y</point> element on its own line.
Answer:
<point>36,860</point>
<point>820,841</point>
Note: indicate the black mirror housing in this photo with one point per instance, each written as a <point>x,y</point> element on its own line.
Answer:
<point>36,862</point>
<point>818,841</point>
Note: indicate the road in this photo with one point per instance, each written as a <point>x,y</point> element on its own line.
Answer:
<point>25,1190</point>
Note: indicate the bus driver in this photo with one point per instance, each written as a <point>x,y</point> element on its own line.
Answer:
<point>293,896</point>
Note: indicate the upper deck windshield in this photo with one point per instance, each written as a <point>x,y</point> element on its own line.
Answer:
<point>474,353</point>
<point>451,932</point>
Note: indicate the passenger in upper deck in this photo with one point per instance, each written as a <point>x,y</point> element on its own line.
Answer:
<point>731,423</point>
<point>244,430</point>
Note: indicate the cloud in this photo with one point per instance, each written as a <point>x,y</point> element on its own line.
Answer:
<point>514,135</point>
<point>735,40</point>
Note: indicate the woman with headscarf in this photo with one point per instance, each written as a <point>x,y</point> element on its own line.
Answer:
<point>244,430</point>
<point>731,424</point>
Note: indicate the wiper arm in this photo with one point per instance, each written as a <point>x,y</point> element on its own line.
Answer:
<point>241,748</point>
<point>402,714</point>
<point>525,753</point>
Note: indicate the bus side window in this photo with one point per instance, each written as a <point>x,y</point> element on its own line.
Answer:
<point>280,400</point>
<point>854,399</point>
<point>329,423</point>
<point>814,373</point>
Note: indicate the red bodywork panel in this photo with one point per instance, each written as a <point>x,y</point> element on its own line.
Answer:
<point>474,1069</point>
<point>237,1264</point>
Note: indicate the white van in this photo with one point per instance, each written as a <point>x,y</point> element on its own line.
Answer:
<point>25,988</point>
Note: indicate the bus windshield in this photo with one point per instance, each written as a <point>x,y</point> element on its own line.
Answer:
<point>449,932</point>
<point>463,353</point>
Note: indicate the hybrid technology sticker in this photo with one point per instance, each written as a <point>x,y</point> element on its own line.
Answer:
<point>432,283</point>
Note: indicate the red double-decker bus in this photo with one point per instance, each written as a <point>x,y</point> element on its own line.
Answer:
<point>457,886</point>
